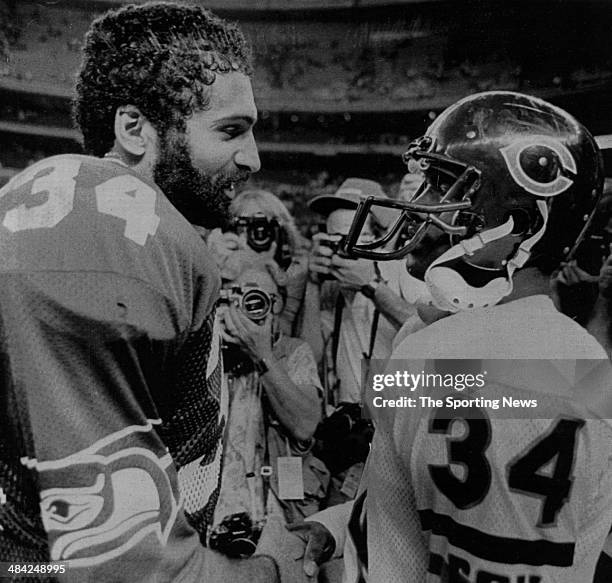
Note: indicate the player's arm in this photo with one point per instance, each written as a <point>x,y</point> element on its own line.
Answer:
<point>332,522</point>
<point>110,501</point>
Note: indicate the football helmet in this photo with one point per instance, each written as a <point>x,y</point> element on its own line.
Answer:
<point>508,179</point>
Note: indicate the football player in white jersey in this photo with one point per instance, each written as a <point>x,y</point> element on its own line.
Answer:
<point>483,493</point>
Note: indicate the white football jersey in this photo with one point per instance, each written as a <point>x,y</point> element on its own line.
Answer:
<point>482,496</point>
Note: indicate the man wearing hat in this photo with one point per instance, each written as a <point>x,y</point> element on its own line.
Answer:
<point>363,290</point>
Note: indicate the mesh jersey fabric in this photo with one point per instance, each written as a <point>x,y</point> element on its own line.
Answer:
<point>417,532</point>
<point>111,379</point>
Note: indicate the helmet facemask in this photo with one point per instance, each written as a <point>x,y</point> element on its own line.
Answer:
<point>510,181</point>
<point>476,268</point>
<point>441,201</point>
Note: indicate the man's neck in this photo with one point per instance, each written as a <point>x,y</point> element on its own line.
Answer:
<point>140,164</point>
<point>528,282</point>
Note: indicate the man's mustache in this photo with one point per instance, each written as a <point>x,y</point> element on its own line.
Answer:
<point>225,181</point>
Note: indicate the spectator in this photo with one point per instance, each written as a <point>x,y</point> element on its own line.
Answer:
<point>275,405</point>
<point>599,323</point>
<point>359,289</point>
<point>276,237</point>
<point>344,301</point>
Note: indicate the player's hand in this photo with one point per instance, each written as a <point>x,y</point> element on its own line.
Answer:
<point>352,274</point>
<point>254,338</point>
<point>320,544</point>
<point>286,548</point>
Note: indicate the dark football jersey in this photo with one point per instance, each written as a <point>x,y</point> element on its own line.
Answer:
<point>111,405</point>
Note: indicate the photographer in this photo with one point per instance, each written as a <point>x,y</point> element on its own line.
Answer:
<point>275,406</point>
<point>600,320</point>
<point>352,311</point>
<point>576,292</point>
<point>261,222</point>
<point>345,297</point>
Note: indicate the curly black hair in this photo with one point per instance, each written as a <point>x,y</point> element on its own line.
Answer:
<point>159,57</point>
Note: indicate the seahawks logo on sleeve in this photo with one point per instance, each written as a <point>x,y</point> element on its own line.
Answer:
<point>101,501</point>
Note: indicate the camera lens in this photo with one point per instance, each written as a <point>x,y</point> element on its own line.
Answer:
<point>240,548</point>
<point>256,304</point>
<point>260,236</point>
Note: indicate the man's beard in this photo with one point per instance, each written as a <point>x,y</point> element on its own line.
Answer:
<point>198,197</point>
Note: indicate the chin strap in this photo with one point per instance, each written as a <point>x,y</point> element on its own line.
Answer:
<point>452,293</point>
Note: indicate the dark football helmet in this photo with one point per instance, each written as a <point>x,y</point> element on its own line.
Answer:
<point>508,179</point>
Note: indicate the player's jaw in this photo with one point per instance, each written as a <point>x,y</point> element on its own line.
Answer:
<point>434,244</point>
<point>202,199</point>
<point>228,181</point>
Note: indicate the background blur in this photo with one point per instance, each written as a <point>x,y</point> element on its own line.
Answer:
<point>342,85</point>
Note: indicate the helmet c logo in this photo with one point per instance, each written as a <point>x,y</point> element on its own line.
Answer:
<point>553,151</point>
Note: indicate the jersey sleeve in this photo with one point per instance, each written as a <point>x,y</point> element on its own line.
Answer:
<point>84,372</point>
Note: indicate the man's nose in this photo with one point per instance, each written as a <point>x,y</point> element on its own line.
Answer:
<point>248,156</point>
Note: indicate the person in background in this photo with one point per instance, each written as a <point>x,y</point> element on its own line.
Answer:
<point>251,203</point>
<point>352,310</point>
<point>111,438</point>
<point>347,296</point>
<point>599,323</point>
<point>274,408</point>
<point>261,222</point>
<point>581,295</point>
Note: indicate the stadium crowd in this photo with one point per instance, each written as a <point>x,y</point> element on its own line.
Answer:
<point>185,371</point>
<point>394,62</point>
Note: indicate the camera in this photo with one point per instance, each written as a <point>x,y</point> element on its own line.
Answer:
<point>254,302</point>
<point>336,246</point>
<point>261,232</point>
<point>343,438</point>
<point>236,536</point>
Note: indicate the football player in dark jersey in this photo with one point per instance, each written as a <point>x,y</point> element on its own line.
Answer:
<point>111,401</point>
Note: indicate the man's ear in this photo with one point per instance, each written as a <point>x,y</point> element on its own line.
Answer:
<point>133,132</point>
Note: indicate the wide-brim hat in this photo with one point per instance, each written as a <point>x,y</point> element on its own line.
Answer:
<point>348,196</point>
<point>350,193</point>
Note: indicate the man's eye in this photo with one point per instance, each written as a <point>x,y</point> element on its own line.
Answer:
<point>233,131</point>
